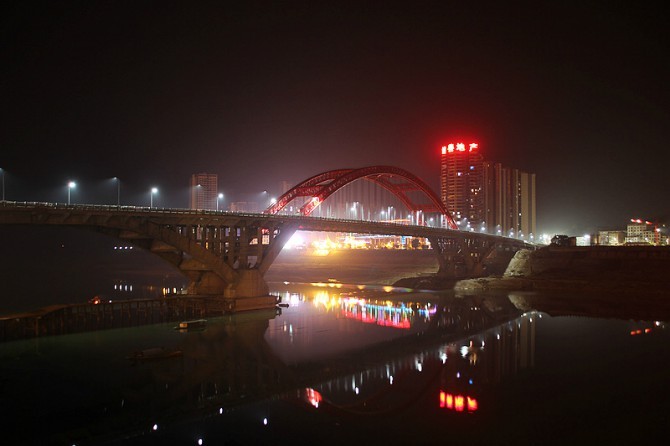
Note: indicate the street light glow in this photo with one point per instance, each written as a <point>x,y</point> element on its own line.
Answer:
<point>71,185</point>
<point>218,197</point>
<point>154,190</point>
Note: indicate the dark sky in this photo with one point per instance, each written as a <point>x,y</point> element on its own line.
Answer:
<point>260,92</point>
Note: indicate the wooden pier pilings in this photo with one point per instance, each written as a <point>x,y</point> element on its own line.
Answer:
<point>76,318</point>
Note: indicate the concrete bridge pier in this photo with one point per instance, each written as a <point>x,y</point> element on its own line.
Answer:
<point>465,258</point>
<point>249,291</point>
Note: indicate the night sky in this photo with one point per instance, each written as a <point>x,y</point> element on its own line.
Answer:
<point>260,92</point>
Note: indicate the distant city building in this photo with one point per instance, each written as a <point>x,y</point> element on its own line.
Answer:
<point>204,191</point>
<point>484,196</point>
<point>461,181</point>
<point>641,232</point>
<point>284,186</point>
<point>611,238</point>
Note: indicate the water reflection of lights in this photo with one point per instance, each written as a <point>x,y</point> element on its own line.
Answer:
<point>120,287</point>
<point>647,330</point>
<point>383,314</point>
<point>313,397</point>
<point>458,403</point>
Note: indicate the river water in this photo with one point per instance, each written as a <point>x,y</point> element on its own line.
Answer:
<point>342,361</point>
<point>354,364</point>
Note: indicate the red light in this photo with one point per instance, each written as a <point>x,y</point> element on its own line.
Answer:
<point>313,397</point>
<point>459,403</point>
<point>647,330</point>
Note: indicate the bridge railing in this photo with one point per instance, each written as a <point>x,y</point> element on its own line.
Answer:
<point>298,219</point>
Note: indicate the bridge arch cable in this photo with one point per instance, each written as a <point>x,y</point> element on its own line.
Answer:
<point>409,190</point>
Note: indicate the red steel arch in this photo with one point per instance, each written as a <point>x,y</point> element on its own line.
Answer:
<point>321,186</point>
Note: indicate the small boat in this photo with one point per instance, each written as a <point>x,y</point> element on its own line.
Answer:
<point>197,324</point>
<point>151,354</point>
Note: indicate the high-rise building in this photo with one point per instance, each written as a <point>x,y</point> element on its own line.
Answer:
<point>204,191</point>
<point>485,196</point>
<point>461,181</point>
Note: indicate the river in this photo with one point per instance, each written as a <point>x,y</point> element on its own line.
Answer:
<point>354,362</point>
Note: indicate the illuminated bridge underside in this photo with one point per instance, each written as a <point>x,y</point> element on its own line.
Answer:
<point>226,254</point>
<point>397,181</point>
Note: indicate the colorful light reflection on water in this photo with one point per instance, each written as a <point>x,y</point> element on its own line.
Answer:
<point>345,364</point>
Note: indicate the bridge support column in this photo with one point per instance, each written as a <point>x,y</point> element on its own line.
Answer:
<point>458,258</point>
<point>249,292</point>
<point>205,283</point>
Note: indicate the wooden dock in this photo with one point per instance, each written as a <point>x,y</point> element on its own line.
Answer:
<point>77,318</point>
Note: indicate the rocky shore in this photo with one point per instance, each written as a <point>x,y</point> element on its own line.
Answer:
<point>586,269</point>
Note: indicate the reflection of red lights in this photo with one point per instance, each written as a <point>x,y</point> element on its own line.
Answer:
<point>638,332</point>
<point>313,397</point>
<point>378,314</point>
<point>458,402</point>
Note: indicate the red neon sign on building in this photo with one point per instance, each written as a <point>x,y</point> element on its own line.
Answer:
<point>459,147</point>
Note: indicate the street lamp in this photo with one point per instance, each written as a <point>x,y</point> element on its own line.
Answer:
<point>151,197</point>
<point>118,190</point>
<point>218,197</point>
<point>71,185</point>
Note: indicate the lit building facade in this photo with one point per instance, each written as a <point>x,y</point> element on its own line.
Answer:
<point>461,181</point>
<point>611,238</point>
<point>487,197</point>
<point>204,191</point>
<point>641,232</point>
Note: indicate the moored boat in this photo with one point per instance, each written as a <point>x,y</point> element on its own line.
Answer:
<point>197,324</point>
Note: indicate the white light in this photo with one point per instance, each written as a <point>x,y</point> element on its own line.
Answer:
<point>155,427</point>
<point>71,184</point>
<point>200,441</point>
<point>265,421</point>
<point>221,411</point>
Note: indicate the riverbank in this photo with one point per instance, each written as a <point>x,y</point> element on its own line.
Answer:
<point>620,270</point>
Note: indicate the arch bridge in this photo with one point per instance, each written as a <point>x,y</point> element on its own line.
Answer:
<point>226,254</point>
<point>411,191</point>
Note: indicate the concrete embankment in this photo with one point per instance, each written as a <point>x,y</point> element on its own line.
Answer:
<point>625,269</point>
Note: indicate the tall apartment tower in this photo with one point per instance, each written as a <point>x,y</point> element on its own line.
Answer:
<point>461,182</point>
<point>494,199</point>
<point>204,191</point>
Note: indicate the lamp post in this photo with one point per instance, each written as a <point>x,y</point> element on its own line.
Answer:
<point>151,197</point>
<point>118,190</point>
<point>71,185</point>
<point>2,171</point>
<point>218,197</point>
